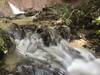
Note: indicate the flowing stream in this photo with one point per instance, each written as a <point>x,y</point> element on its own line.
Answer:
<point>15,10</point>
<point>44,52</point>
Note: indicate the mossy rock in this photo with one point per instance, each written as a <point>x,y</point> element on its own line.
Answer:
<point>5,43</point>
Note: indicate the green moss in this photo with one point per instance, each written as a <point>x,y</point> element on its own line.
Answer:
<point>5,42</point>
<point>98,32</point>
<point>97,20</point>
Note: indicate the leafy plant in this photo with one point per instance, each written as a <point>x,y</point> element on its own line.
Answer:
<point>5,42</point>
<point>98,32</point>
<point>97,20</point>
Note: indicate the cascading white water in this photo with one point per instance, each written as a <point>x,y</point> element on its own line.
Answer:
<point>72,61</point>
<point>81,67</point>
<point>15,10</point>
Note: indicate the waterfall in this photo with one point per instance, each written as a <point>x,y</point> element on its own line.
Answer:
<point>15,10</point>
<point>46,53</point>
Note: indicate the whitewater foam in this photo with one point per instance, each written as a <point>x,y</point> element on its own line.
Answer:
<point>72,61</point>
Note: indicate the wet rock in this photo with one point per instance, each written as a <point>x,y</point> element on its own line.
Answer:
<point>20,32</point>
<point>64,31</point>
<point>50,35</point>
<point>45,35</point>
<point>29,68</point>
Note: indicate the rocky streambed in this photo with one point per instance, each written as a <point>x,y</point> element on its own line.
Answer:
<point>40,45</point>
<point>39,50</point>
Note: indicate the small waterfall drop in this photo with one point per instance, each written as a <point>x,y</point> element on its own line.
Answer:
<point>49,54</point>
<point>15,10</point>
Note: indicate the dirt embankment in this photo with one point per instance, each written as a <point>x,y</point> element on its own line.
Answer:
<point>23,5</point>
